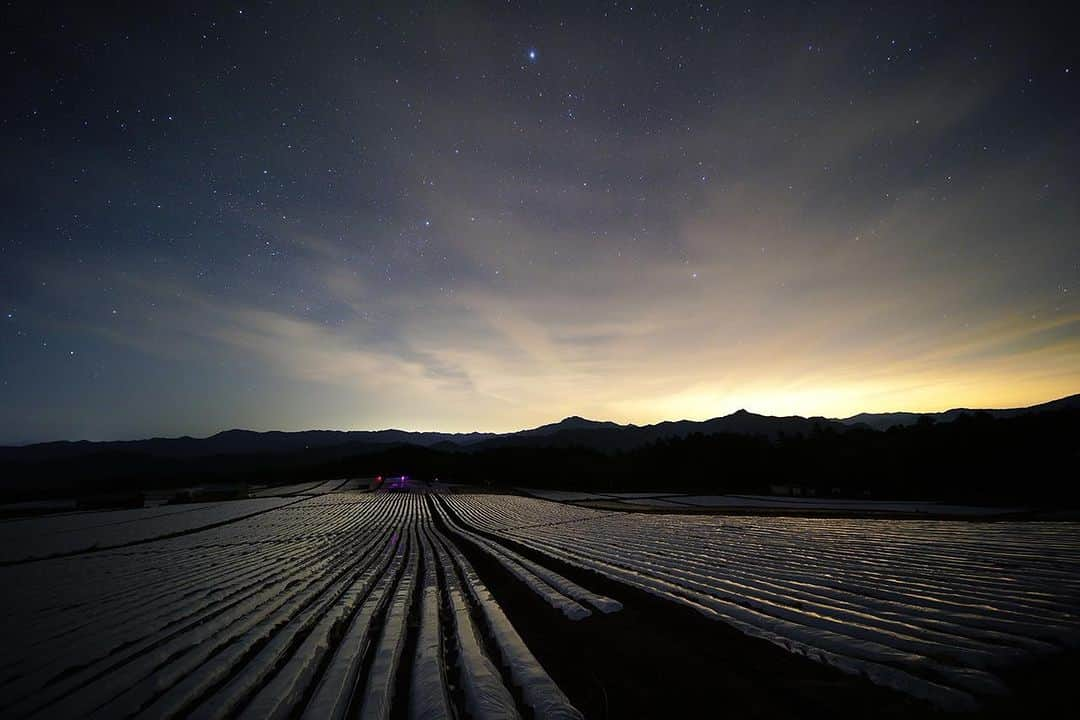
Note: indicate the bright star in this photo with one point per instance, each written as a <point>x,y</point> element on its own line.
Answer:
<point>532,54</point>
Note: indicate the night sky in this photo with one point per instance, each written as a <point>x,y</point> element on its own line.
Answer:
<point>486,217</point>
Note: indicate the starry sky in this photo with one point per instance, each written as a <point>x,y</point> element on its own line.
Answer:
<point>456,217</point>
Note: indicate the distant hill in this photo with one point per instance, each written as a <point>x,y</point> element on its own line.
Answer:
<point>608,436</point>
<point>572,431</point>
<point>572,423</point>
<point>239,442</point>
<point>997,455</point>
<point>884,421</point>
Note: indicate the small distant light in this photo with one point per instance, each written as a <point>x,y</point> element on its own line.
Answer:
<point>532,55</point>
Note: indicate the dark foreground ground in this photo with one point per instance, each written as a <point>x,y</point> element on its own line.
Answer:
<point>146,622</point>
<point>657,659</point>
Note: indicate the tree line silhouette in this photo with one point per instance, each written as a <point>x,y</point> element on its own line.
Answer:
<point>1030,458</point>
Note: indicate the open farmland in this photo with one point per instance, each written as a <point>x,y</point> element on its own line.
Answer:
<point>929,608</point>
<point>337,603</point>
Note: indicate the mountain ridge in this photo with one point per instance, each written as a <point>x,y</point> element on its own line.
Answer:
<point>883,421</point>
<point>572,430</point>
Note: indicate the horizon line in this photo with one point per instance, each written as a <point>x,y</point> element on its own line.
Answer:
<point>534,427</point>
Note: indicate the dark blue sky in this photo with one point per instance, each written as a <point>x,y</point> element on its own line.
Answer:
<point>487,216</point>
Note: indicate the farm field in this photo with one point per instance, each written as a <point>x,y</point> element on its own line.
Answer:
<point>61,534</point>
<point>773,503</point>
<point>335,603</point>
